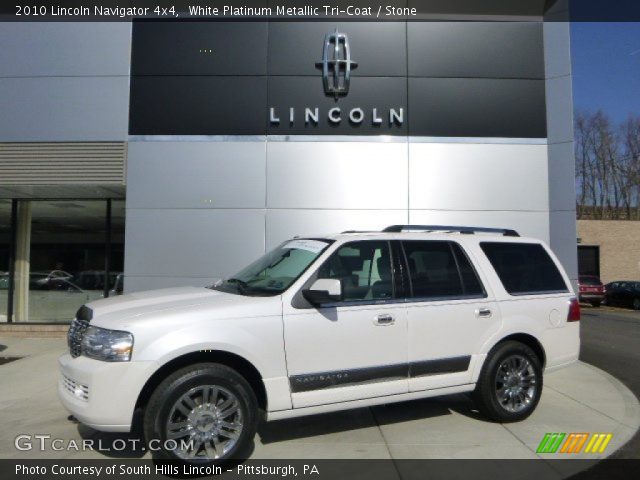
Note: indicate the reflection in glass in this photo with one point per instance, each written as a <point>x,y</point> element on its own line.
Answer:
<point>117,247</point>
<point>60,257</point>
<point>5,235</point>
<point>67,259</point>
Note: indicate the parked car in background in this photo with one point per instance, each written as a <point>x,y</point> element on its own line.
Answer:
<point>94,279</point>
<point>623,294</point>
<point>54,296</point>
<point>42,277</point>
<point>55,299</point>
<point>591,290</point>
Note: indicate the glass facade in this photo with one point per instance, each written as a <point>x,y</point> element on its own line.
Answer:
<point>5,240</point>
<point>65,253</point>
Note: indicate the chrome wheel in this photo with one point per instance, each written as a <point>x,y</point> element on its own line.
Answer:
<point>515,383</point>
<point>206,423</point>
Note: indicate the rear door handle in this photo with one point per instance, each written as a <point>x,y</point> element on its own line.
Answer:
<point>384,320</point>
<point>483,312</point>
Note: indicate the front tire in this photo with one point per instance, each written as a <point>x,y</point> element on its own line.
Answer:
<point>208,410</point>
<point>510,383</point>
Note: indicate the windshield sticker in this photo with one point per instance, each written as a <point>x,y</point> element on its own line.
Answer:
<point>314,246</point>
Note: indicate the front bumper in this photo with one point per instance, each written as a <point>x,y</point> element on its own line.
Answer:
<point>100,394</point>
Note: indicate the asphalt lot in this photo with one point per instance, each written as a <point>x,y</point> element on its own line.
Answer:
<point>611,341</point>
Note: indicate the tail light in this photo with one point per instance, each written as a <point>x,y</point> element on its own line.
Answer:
<point>574,310</point>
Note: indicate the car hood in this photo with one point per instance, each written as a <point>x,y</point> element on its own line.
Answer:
<point>122,310</point>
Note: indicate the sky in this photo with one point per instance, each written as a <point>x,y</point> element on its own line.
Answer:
<point>606,68</point>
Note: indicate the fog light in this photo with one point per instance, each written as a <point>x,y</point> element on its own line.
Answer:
<point>78,392</point>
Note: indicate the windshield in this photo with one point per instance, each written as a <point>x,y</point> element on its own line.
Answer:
<point>273,273</point>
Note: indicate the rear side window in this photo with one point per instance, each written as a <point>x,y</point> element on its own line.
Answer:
<point>524,268</point>
<point>440,269</point>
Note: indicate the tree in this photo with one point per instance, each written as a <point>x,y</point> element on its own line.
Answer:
<point>607,167</point>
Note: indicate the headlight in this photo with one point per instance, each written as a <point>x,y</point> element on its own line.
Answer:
<point>107,345</point>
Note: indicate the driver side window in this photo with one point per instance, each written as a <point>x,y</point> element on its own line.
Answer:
<point>364,270</point>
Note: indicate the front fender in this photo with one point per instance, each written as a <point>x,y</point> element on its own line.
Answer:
<point>259,341</point>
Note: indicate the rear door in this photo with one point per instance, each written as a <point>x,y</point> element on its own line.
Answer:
<point>449,312</point>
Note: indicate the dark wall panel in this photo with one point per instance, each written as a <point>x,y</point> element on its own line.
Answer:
<point>462,79</point>
<point>472,50</point>
<point>199,48</point>
<point>165,105</point>
<point>477,108</point>
<point>366,93</point>
<point>380,49</point>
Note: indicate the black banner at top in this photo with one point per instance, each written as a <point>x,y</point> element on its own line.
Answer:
<point>344,10</point>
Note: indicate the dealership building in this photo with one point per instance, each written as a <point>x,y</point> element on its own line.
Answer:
<point>157,154</point>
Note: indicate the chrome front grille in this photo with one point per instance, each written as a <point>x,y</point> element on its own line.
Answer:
<point>76,389</point>
<point>74,336</point>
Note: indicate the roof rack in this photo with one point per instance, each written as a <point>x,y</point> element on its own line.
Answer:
<point>445,228</point>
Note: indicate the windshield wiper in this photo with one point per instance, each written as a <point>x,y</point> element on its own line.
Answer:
<point>242,285</point>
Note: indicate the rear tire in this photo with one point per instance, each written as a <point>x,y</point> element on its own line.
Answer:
<point>636,304</point>
<point>510,383</point>
<point>595,304</point>
<point>208,406</point>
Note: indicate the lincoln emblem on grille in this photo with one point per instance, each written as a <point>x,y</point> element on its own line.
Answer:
<point>336,64</point>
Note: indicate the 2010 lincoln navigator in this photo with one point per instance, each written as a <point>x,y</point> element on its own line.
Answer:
<point>323,324</point>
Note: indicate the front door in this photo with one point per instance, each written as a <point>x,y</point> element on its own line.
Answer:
<point>353,349</point>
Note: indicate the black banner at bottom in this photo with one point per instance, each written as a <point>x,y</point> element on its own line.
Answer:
<point>541,469</point>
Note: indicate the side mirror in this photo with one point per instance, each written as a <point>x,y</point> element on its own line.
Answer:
<point>323,290</point>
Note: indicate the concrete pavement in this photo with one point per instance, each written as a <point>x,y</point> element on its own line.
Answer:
<point>580,398</point>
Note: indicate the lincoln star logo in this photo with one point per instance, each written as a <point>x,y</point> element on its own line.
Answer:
<point>336,68</point>
<point>336,64</point>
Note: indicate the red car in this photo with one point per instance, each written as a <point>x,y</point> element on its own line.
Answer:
<point>590,290</point>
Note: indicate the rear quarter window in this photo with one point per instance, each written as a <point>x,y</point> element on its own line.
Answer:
<point>524,268</point>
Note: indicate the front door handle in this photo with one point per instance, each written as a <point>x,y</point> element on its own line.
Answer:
<point>483,312</point>
<point>384,320</point>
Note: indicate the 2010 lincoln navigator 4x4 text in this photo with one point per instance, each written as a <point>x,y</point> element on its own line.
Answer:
<point>324,324</point>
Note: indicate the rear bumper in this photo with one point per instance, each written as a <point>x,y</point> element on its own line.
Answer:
<point>562,345</point>
<point>591,296</point>
<point>99,394</point>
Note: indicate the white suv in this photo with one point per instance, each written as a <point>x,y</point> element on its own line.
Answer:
<point>322,324</point>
